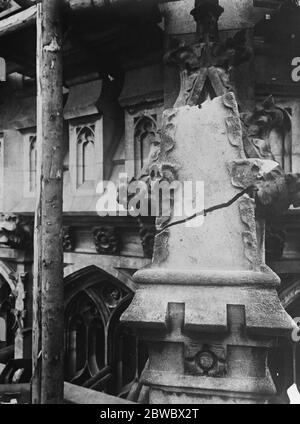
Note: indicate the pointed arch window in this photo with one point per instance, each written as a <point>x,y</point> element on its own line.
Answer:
<point>30,163</point>
<point>100,352</point>
<point>86,154</point>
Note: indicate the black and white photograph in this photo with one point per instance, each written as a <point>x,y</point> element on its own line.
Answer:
<point>149,206</point>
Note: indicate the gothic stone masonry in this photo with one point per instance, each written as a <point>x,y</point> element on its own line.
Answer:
<point>208,306</point>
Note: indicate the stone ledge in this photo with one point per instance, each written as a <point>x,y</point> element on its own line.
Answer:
<point>209,386</point>
<point>184,277</point>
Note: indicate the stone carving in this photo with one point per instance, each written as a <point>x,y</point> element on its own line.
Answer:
<point>19,295</point>
<point>16,232</point>
<point>209,361</point>
<point>205,67</point>
<point>106,240</point>
<point>205,73</point>
<point>147,234</point>
<point>112,296</point>
<point>276,190</point>
<point>258,125</point>
<point>68,241</point>
<point>4,5</point>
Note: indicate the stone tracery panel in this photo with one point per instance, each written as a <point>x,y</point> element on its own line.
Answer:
<point>97,345</point>
<point>85,154</point>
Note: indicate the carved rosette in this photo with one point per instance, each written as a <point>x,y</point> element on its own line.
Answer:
<point>208,361</point>
<point>107,240</point>
<point>16,232</point>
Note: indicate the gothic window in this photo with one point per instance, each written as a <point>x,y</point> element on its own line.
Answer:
<point>85,154</point>
<point>32,163</point>
<point>2,330</point>
<point>85,338</point>
<point>101,353</point>
<point>145,136</point>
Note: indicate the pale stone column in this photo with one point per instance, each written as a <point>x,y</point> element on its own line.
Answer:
<point>208,305</point>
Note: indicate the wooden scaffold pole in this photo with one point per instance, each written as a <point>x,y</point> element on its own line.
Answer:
<point>48,309</point>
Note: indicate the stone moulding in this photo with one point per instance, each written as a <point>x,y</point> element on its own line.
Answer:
<point>264,314</point>
<point>203,289</point>
<point>210,386</point>
<point>265,278</point>
<point>246,173</point>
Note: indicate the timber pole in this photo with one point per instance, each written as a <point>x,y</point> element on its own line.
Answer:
<point>48,309</point>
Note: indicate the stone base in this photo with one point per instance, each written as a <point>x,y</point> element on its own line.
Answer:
<point>208,334</point>
<point>173,389</point>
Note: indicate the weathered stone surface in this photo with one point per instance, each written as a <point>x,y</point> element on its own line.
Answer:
<point>205,146</point>
<point>208,305</point>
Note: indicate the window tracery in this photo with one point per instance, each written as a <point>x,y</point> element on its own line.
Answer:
<point>101,353</point>
<point>145,136</point>
<point>85,154</point>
